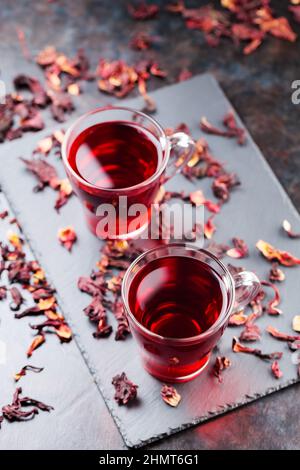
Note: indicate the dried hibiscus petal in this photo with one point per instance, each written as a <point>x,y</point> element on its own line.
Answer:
<point>125,390</point>
<point>13,412</point>
<point>3,292</point>
<point>281,336</point>
<point>67,237</point>
<point>288,229</point>
<point>64,192</point>
<point>170,395</point>
<point>238,319</point>
<point>40,97</point>
<point>220,365</point>
<point>251,332</point>
<point>276,274</point>
<point>25,369</point>
<point>276,370</point>
<point>123,325</point>
<point>223,184</point>
<point>296,323</point>
<point>209,228</point>
<point>273,254</point>
<point>240,348</point>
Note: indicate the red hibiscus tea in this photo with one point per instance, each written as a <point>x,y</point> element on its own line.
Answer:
<point>113,156</point>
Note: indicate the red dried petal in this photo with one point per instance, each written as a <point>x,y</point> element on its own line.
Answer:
<point>273,254</point>
<point>276,370</point>
<point>125,390</point>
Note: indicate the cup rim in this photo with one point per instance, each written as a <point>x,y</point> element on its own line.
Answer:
<point>191,339</point>
<point>149,180</point>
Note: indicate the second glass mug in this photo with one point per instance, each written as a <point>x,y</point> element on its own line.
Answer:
<point>144,193</point>
<point>177,359</point>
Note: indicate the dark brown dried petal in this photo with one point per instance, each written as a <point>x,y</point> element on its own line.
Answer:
<point>25,369</point>
<point>170,395</point>
<point>240,348</point>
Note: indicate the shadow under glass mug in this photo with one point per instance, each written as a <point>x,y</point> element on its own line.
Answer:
<point>116,159</point>
<point>178,300</point>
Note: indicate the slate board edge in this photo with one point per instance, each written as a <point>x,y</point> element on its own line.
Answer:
<point>92,369</point>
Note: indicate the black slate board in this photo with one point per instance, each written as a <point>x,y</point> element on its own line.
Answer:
<point>255,211</point>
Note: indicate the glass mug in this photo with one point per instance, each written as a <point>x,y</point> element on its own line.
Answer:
<point>112,152</point>
<point>178,300</point>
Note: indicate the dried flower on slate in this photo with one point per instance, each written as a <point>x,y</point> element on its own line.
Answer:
<point>3,214</point>
<point>288,229</point>
<point>64,192</point>
<point>273,254</point>
<point>25,369</point>
<point>3,292</point>
<point>170,395</point>
<point>223,184</point>
<point>229,122</point>
<point>40,97</point>
<point>251,332</point>
<point>119,78</point>
<point>61,329</point>
<point>15,240</point>
<point>142,11</point>
<point>296,323</point>
<point>17,299</point>
<point>30,118</point>
<point>45,173</point>
<point>276,370</point>
<point>197,198</point>
<point>125,390</point>
<point>272,305</point>
<point>61,103</point>
<point>294,345</point>
<point>14,411</point>
<point>184,74</point>
<point>240,249</point>
<point>276,274</point>
<point>240,348</point>
<point>220,365</point>
<point>142,41</point>
<point>242,21</point>
<point>238,319</point>
<point>67,237</point>
<point>281,336</point>
<point>44,146</point>
<point>295,9</point>
<point>36,343</point>
<point>217,249</point>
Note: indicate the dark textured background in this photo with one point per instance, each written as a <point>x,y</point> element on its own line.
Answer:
<point>259,88</point>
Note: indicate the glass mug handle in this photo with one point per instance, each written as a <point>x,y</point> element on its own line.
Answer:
<point>247,286</point>
<point>182,148</point>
